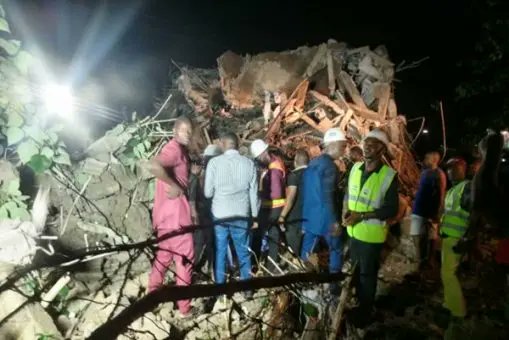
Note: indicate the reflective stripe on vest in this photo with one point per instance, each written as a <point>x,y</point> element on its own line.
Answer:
<point>366,199</point>
<point>276,164</point>
<point>455,219</point>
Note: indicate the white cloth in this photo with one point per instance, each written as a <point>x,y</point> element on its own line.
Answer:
<point>417,225</point>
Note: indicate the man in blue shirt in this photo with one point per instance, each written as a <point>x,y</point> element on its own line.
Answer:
<point>320,201</point>
<point>428,203</point>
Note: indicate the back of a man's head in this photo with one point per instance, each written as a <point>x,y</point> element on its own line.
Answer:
<point>230,141</point>
<point>301,157</point>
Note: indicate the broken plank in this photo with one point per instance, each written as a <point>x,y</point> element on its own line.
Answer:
<point>338,315</point>
<point>333,105</point>
<point>393,110</point>
<point>351,89</point>
<point>276,123</point>
<point>383,93</point>
<point>346,120</point>
<point>330,73</point>
<point>366,113</point>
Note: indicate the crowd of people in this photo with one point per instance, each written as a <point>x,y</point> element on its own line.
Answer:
<point>260,210</point>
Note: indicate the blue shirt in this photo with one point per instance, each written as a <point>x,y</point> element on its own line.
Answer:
<point>320,201</point>
<point>427,200</point>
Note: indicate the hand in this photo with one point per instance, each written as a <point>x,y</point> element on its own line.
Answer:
<point>255,225</point>
<point>352,218</point>
<point>281,221</point>
<point>174,191</point>
<point>195,220</point>
<point>336,230</point>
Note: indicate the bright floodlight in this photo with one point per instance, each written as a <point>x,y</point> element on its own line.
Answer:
<point>59,100</point>
<point>425,131</point>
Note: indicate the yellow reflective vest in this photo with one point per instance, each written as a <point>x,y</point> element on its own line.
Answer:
<point>455,219</point>
<point>366,199</point>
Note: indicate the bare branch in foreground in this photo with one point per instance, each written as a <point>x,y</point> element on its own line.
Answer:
<point>119,324</point>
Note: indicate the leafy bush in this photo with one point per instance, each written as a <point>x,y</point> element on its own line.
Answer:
<point>28,140</point>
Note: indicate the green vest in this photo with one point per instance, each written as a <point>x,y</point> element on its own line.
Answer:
<point>455,219</point>
<point>366,199</point>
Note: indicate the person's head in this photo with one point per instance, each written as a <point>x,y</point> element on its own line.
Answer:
<point>210,152</point>
<point>229,141</point>
<point>356,154</point>
<point>474,168</point>
<point>334,143</point>
<point>456,169</point>
<point>260,151</point>
<point>183,130</point>
<point>301,158</point>
<point>376,144</point>
<point>432,159</point>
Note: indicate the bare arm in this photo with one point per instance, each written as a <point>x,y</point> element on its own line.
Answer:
<point>157,169</point>
<point>291,194</point>
<point>210,175</point>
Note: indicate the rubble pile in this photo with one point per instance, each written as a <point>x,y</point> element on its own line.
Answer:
<point>297,95</point>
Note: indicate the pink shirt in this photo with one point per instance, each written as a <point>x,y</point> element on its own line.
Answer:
<point>172,213</point>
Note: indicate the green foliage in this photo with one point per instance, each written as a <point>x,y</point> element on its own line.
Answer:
<point>12,202</point>
<point>34,145</point>
<point>46,336</point>
<point>29,142</point>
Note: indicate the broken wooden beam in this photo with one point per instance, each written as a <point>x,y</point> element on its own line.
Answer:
<point>338,315</point>
<point>351,89</point>
<point>326,101</point>
<point>300,95</point>
<point>330,73</point>
<point>366,113</point>
<point>383,93</point>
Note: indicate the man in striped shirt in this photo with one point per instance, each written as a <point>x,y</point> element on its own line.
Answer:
<point>231,182</point>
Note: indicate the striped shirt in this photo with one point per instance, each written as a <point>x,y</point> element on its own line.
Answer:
<point>231,181</point>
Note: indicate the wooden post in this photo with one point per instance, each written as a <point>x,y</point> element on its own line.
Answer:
<point>338,315</point>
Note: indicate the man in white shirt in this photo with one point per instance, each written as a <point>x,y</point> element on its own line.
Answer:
<point>231,181</point>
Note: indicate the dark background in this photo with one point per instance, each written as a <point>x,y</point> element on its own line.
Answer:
<point>124,47</point>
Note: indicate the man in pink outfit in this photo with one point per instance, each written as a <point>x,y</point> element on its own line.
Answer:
<point>172,211</point>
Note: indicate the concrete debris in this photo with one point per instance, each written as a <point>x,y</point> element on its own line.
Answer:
<point>29,320</point>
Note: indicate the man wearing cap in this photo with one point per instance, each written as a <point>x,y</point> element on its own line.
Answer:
<point>452,229</point>
<point>320,210</point>
<point>201,208</point>
<point>272,195</point>
<point>371,199</point>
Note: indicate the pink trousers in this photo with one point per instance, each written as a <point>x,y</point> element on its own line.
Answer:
<point>179,249</point>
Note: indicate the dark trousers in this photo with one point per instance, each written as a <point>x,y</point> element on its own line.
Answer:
<point>366,257</point>
<point>267,222</point>
<point>204,247</point>
<point>293,235</point>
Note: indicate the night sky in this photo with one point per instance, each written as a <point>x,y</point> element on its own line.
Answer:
<point>135,40</point>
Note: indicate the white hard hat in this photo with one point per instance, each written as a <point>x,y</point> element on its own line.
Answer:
<point>212,150</point>
<point>378,135</point>
<point>258,146</point>
<point>334,135</point>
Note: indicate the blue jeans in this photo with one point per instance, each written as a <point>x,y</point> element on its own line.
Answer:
<point>239,232</point>
<point>309,242</point>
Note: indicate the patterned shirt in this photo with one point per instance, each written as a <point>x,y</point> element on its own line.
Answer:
<point>231,181</point>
